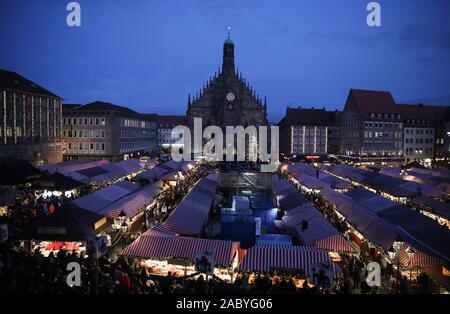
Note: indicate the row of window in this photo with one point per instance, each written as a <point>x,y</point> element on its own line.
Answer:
<point>318,150</point>
<point>382,124</point>
<point>309,140</point>
<point>310,131</point>
<point>132,123</point>
<point>136,134</point>
<point>126,147</point>
<point>385,115</point>
<point>370,134</point>
<point>419,141</point>
<point>98,121</point>
<point>170,141</point>
<point>427,122</point>
<point>85,148</point>
<point>419,131</point>
<point>84,134</point>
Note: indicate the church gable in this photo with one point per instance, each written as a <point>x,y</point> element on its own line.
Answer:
<point>227,98</point>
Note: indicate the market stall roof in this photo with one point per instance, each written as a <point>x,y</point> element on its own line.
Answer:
<point>113,192</point>
<point>437,172</point>
<point>153,189</point>
<point>127,185</point>
<point>335,182</point>
<point>209,184</point>
<point>279,185</point>
<point>320,233</point>
<point>273,258</point>
<point>344,204</point>
<point>130,205</point>
<point>390,185</point>
<point>190,216</point>
<point>352,173</point>
<point>93,172</point>
<point>422,228</point>
<point>72,166</point>
<point>290,199</point>
<point>9,195</point>
<point>15,171</point>
<point>129,165</point>
<point>58,182</point>
<point>440,208</point>
<point>373,201</point>
<point>151,245</point>
<point>92,202</point>
<point>303,168</point>
<point>68,224</point>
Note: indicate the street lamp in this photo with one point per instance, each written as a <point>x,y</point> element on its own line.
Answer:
<point>410,252</point>
<point>398,242</point>
<point>122,216</point>
<point>394,253</point>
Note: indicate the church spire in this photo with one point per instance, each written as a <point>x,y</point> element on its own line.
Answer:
<point>228,55</point>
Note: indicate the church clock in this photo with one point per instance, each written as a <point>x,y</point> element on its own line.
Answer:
<point>230,97</point>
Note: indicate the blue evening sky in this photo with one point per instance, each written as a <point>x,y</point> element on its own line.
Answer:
<point>149,54</point>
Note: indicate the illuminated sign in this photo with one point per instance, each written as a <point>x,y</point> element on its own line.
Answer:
<point>100,223</point>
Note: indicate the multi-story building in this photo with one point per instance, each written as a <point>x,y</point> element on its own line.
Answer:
<point>102,130</point>
<point>30,120</point>
<point>334,131</point>
<point>167,125</point>
<point>371,125</point>
<point>304,132</point>
<point>423,131</point>
<point>446,150</point>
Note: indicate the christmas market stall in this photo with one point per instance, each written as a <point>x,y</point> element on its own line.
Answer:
<point>69,228</point>
<point>57,185</point>
<point>162,253</point>
<point>285,194</point>
<point>310,228</point>
<point>191,214</point>
<point>300,262</point>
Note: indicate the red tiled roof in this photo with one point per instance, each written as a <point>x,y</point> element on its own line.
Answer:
<point>303,116</point>
<point>422,112</point>
<point>368,101</point>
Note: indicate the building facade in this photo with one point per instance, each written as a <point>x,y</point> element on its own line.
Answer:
<point>446,150</point>
<point>371,125</point>
<point>30,120</point>
<point>227,99</point>
<point>166,127</point>
<point>424,129</point>
<point>105,131</point>
<point>334,132</point>
<point>306,132</point>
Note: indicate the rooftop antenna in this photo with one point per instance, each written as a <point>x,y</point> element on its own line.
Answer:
<point>229,32</point>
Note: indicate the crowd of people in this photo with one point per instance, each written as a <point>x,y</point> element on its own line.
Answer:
<point>22,271</point>
<point>169,199</point>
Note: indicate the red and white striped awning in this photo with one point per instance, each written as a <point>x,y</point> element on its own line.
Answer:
<point>419,258</point>
<point>265,258</point>
<point>160,246</point>
<point>335,243</point>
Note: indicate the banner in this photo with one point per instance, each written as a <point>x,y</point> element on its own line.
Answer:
<point>322,275</point>
<point>97,246</point>
<point>204,262</point>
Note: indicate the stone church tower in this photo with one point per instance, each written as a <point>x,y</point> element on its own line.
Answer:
<point>227,99</point>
